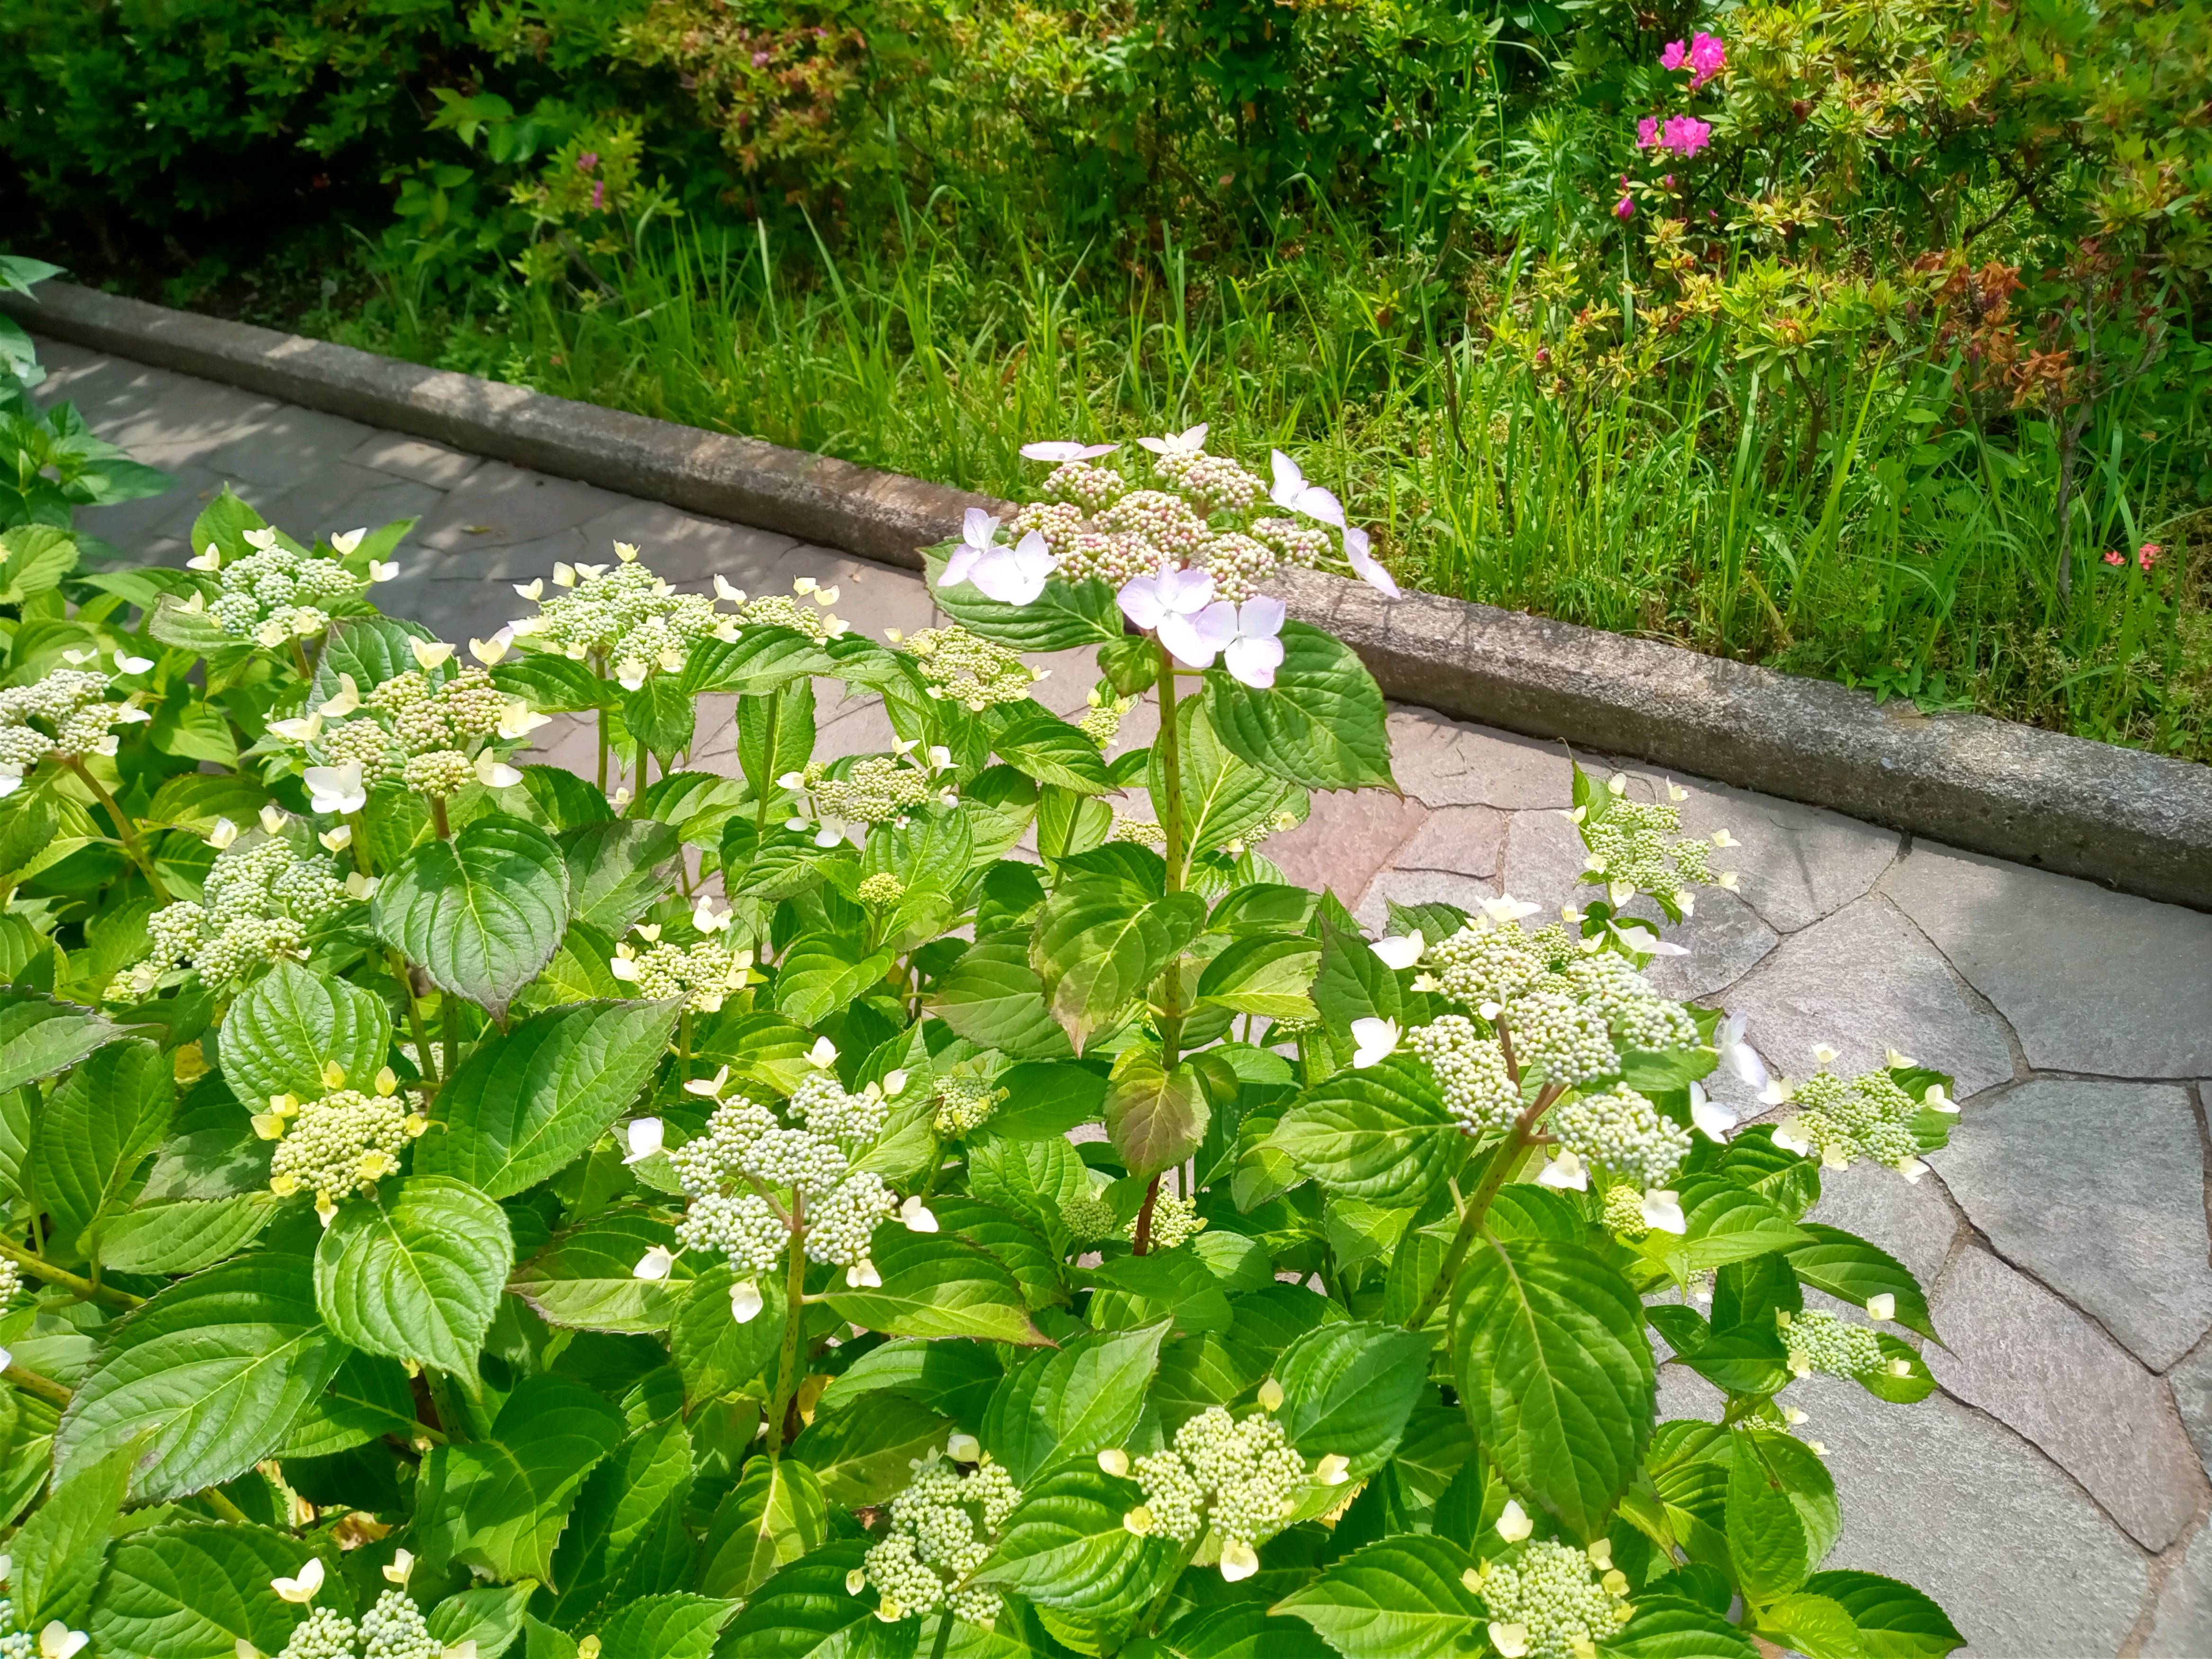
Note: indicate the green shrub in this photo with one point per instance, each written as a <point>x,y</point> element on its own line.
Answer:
<point>465,1208</point>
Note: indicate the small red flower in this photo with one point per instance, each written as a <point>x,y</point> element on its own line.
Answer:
<point>2147,555</point>
<point>2115,557</point>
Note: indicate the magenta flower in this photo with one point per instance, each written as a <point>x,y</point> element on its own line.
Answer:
<point>759,59</point>
<point>587,161</point>
<point>599,195</point>
<point>1647,132</point>
<point>1708,58</point>
<point>1624,209</point>
<point>1686,135</point>
<point>1674,58</point>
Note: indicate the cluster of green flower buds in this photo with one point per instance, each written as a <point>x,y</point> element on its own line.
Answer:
<point>340,1143</point>
<point>1471,1072</point>
<point>258,902</point>
<point>941,1530</point>
<point>1101,721</point>
<point>623,616</point>
<point>1637,847</point>
<point>66,714</point>
<point>970,670</point>
<point>874,789</point>
<point>701,975</point>
<point>1870,1117</point>
<point>273,594</point>
<point>1240,1476</point>
<point>1819,1342</point>
<point>753,1180</point>
<point>430,728</point>
<point>1552,1600</point>
<point>964,1104</point>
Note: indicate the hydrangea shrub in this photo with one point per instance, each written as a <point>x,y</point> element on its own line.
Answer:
<point>960,1200</point>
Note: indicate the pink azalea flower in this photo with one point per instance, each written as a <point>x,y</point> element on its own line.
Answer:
<point>1708,58</point>
<point>1674,58</point>
<point>1647,132</point>
<point>587,161</point>
<point>1686,135</point>
<point>1624,209</point>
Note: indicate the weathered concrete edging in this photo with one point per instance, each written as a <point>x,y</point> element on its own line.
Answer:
<point>2141,823</point>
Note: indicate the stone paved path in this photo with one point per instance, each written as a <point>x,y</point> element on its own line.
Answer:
<point>2053,1496</point>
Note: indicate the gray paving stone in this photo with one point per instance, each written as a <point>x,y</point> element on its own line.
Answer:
<point>2098,1189</point>
<point>1467,840</point>
<point>2181,1619</point>
<point>1862,981</point>
<point>180,507</point>
<point>1349,836</point>
<point>2022,1355</point>
<point>289,446</point>
<point>130,525</point>
<point>565,740</point>
<point>500,506</point>
<point>1544,862</point>
<point>153,413</point>
<point>413,458</point>
<point>1725,939</point>
<point>1913,1220</point>
<point>2191,1382</point>
<point>2092,981</point>
<point>690,551</point>
<point>1952,1502</point>
<point>341,496</point>
<point>1444,762</point>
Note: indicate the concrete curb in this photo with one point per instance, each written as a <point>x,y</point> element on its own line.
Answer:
<point>2138,822</point>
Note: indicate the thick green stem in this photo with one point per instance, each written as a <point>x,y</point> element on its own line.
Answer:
<point>425,1055</point>
<point>359,845</point>
<point>445,825</point>
<point>794,1313</point>
<point>300,659</point>
<point>38,1386</point>
<point>763,784</point>
<point>219,1501</point>
<point>1170,989</point>
<point>132,846</point>
<point>85,1289</point>
<point>1503,1162</point>
<point>1168,747</point>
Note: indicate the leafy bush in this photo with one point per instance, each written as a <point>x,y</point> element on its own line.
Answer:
<point>887,1203</point>
<point>50,462</point>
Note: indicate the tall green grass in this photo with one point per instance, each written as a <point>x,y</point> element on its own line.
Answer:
<point>1843,522</point>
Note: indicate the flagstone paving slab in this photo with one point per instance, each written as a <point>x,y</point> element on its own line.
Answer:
<point>2091,981</point>
<point>2030,1360</point>
<point>2098,1189</point>
<point>2007,1509</point>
